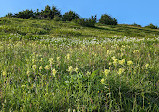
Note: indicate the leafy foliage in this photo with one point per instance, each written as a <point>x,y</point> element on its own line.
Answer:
<point>9,15</point>
<point>49,65</point>
<point>90,22</point>
<point>55,12</point>
<point>47,13</point>
<point>134,24</point>
<point>69,16</point>
<point>151,26</point>
<point>25,14</point>
<point>107,20</point>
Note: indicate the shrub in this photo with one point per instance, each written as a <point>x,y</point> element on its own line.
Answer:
<point>47,13</point>
<point>25,14</point>
<point>107,20</point>
<point>55,12</point>
<point>57,18</point>
<point>134,24</point>
<point>90,22</point>
<point>151,26</point>
<point>69,16</point>
<point>9,15</point>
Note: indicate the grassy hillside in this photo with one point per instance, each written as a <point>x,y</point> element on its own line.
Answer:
<point>41,28</point>
<point>51,65</point>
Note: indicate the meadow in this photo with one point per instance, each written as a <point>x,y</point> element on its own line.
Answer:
<point>56,66</point>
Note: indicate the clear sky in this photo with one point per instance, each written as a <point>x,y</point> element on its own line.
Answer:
<point>142,12</point>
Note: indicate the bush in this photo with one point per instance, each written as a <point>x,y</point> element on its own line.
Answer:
<point>56,12</point>
<point>25,14</point>
<point>90,22</point>
<point>107,20</point>
<point>57,18</point>
<point>136,25</point>
<point>50,13</point>
<point>69,16</point>
<point>9,15</point>
<point>47,13</point>
<point>151,26</point>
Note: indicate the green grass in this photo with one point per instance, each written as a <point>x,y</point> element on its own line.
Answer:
<point>61,66</point>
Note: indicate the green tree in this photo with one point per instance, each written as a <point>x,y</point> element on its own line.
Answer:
<point>37,14</point>
<point>88,22</point>
<point>47,13</point>
<point>55,12</point>
<point>134,24</point>
<point>25,14</point>
<point>69,16</point>
<point>9,15</point>
<point>151,26</point>
<point>107,20</point>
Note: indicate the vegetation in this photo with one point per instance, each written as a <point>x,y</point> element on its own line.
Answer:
<point>90,22</point>
<point>55,14</point>
<point>151,26</point>
<point>25,14</point>
<point>69,16</point>
<point>107,20</point>
<point>49,65</point>
<point>47,13</point>
<point>136,25</point>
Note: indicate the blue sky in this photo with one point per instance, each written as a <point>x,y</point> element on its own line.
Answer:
<point>142,12</point>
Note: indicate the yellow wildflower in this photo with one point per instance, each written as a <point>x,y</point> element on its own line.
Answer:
<point>4,73</point>
<point>147,65</point>
<point>69,110</point>
<point>123,46</point>
<point>108,52</point>
<point>88,73</point>
<point>70,68</point>
<point>51,60</point>
<point>54,72</point>
<point>102,81</point>
<point>47,67</point>
<point>115,62</point>
<point>113,57</point>
<point>23,86</point>
<point>121,54</point>
<point>40,67</point>
<point>58,58</point>
<point>136,51</point>
<point>110,63</point>
<point>28,72</point>
<point>76,69</point>
<point>34,67</point>
<point>121,70</point>
<point>106,72</point>
<point>68,56</point>
<point>122,62</point>
<point>33,60</point>
<point>129,62</point>
<point>41,59</point>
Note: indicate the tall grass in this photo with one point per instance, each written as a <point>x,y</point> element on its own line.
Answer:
<point>45,73</point>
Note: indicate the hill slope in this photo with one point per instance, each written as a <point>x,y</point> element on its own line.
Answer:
<point>51,66</point>
<point>40,28</point>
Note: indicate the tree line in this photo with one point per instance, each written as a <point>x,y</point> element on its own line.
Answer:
<point>54,13</point>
